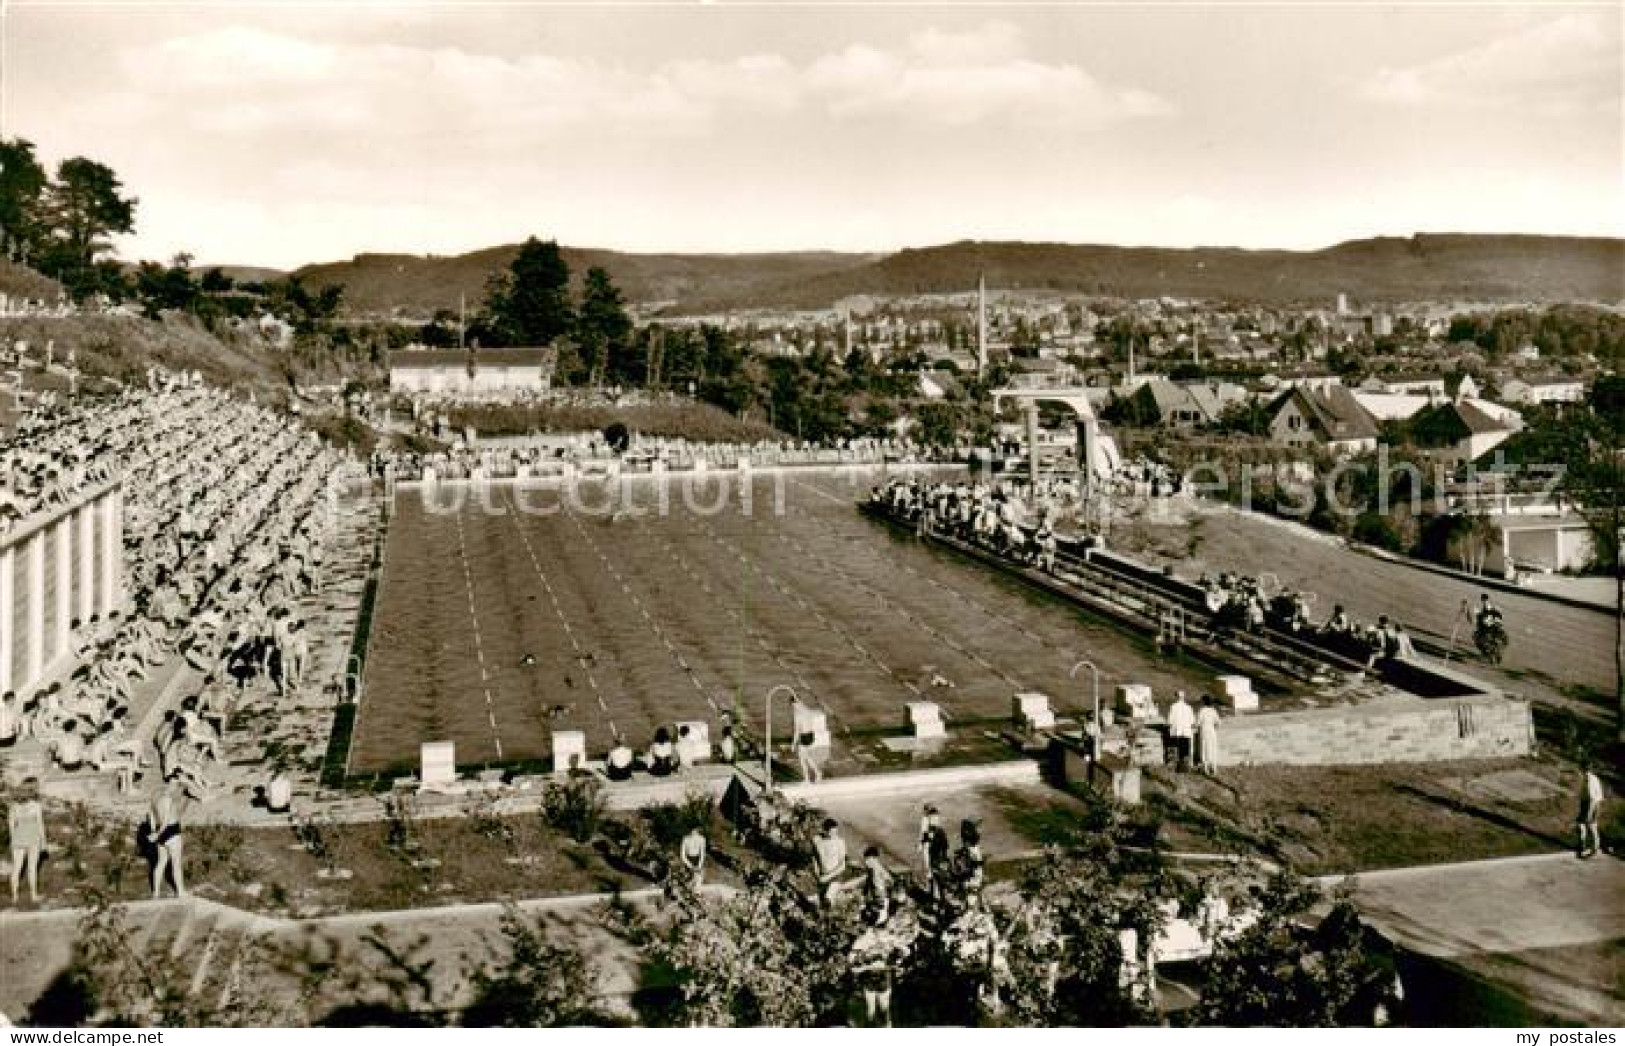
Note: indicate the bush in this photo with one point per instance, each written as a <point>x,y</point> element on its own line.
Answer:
<point>669,822</point>
<point>575,806</point>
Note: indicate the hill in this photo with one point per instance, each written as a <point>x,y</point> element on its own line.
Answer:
<point>1421,268</point>
<point>245,273</point>
<point>19,281</point>
<point>418,286</point>
<point>1425,267</point>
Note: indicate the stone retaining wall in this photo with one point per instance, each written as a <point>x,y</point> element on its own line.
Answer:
<point>1398,731</point>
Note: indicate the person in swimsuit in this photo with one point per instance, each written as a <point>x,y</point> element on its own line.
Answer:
<point>163,833</point>
<point>26,819</point>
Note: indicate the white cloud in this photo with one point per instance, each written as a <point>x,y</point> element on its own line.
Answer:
<point>863,81</point>
<point>251,80</point>
<point>1564,66</point>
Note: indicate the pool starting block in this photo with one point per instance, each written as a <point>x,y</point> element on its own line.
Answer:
<point>1237,692</point>
<point>1031,711</point>
<point>439,766</point>
<point>569,751</point>
<point>812,727</point>
<point>925,718</point>
<point>1135,701</point>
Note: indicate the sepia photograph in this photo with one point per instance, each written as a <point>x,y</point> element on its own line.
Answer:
<point>786,514</point>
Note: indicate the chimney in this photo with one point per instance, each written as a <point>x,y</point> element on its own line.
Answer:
<point>981,322</point>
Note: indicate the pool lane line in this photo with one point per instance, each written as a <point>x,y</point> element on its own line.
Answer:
<point>479,648</point>
<point>913,619</point>
<point>817,615</point>
<point>1070,653</point>
<point>654,626</point>
<point>582,661</point>
<point>719,600</point>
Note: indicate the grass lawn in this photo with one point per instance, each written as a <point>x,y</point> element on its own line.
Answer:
<point>276,871</point>
<point>1331,820</point>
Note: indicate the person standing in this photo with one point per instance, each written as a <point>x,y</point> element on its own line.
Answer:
<point>875,954</point>
<point>296,654</point>
<point>692,853</point>
<point>970,865</point>
<point>804,745</point>
<point>877,883</point>
<point>1207,736</point>
<point>1181,730</point>
<point>164,835</point>
<point>933,850</point>
<point>26,819</point>
<point>1587,821</point>
<point>829,849</point>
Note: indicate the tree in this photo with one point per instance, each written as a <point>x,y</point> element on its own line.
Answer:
<point>171,287</point>
<point>114,980</point>
<point>761,957</point>
<point>530,304</point>
<point>22,199</point>
<point>84,206</point>
<point>1289,970</point>
<point>215,281</point>
<point>938,424</point>
<point>602,326</point>
<point>1066,953</point>
<point>541,984</point>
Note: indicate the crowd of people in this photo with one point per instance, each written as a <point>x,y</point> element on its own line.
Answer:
<point>61,448</point>
<point>462,460</point>
<point>225,522</point>
<point>1239,602</point>
<point>997,517</point>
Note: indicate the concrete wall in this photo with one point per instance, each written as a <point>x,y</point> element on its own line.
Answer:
<point>1397,731</point>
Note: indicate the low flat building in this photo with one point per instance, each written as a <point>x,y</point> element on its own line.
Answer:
<point>1538,543</point>
<point>478,373</point>
<point>1414,384</point>
<point>1529,391</point>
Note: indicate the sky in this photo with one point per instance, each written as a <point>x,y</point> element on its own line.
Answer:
<point>283,134</point>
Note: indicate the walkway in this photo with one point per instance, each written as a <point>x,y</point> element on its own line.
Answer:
<point>1550,928</point>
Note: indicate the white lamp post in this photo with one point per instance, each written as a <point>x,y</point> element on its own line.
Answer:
<point>1090,665</point>
<point>767,745</point>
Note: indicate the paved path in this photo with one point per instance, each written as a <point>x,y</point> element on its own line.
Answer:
<point>1550,926</point>
<point>234,957</point>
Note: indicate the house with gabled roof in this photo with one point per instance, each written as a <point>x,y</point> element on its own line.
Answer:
<point>1459,431</point>
<point>1328,417</point>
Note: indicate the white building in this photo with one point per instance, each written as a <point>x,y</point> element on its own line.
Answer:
<point>479,373</point>
<point>1543,390</point>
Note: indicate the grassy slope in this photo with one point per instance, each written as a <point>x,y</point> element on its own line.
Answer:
<point>123,347</point>
<point>21,281</point>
